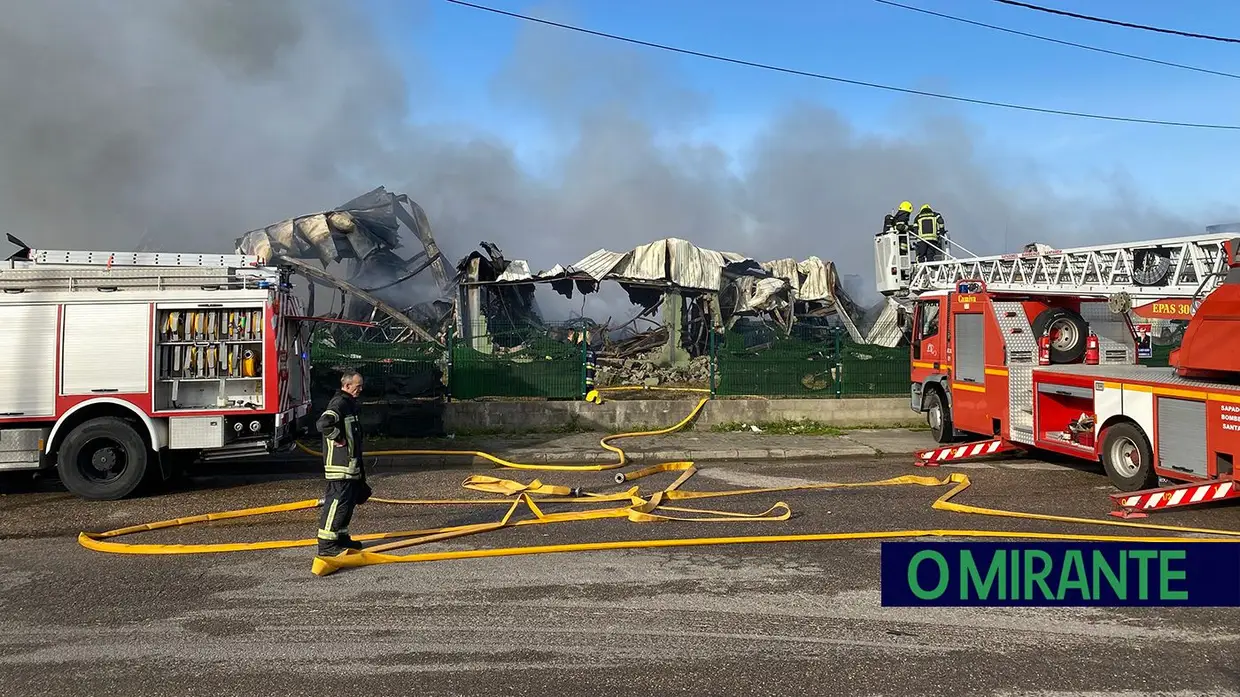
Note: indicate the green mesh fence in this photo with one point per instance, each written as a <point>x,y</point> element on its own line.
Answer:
<point>547,362</point>
<point>814,361</point>
<point>518,361</point>
<point>408,369</point>
<point>405,383</point>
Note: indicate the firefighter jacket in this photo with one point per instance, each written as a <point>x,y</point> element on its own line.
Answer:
<point>342,439</point>
<point>929,225</point>
<point>895,220</point>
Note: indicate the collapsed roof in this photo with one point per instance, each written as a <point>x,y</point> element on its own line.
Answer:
<point>677,263</point>
<point>363,232</point>
<point>670,262</point>
<point>674,263</point>
<point>366,228</point>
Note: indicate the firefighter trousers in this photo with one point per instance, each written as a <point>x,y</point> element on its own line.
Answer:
<point>339,500</point>
<point>927,253</point>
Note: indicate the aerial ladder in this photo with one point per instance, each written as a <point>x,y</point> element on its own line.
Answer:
<point>1155,279</point>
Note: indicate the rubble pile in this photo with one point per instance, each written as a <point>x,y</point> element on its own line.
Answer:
<point>630,347</point>
<point>645,370</point>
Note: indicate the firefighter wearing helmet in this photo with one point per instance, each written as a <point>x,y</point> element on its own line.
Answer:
<point>931,234</point>
<point>900,218</point>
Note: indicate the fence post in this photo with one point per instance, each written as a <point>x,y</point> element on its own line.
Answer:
<point>839,366</point>
<point>585,360</point>
<point>712,359</point>
<point>450,370</point>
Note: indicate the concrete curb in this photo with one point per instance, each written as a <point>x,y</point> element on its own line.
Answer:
<point>828,451</point>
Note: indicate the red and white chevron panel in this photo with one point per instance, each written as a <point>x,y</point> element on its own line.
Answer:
<point>1133,505</point>
<point>936,457</point>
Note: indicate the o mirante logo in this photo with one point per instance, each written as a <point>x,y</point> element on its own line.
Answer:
<point>1060,573</point>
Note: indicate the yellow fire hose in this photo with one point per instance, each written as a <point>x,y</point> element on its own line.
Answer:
<point>631,504</point>
<point>604,443</point>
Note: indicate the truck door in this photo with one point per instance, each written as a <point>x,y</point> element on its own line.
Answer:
<point>928,339</point>
<point>969,406</point>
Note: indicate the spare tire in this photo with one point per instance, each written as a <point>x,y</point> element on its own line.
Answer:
<point>1068,332</point>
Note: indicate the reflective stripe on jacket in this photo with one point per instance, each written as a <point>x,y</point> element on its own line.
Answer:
<point>929,225</point>
<point>339,422</point>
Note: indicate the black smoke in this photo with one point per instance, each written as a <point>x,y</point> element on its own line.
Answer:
<point>180,124</point>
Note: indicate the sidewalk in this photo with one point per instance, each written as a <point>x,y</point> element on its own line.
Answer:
<point>701,447</point>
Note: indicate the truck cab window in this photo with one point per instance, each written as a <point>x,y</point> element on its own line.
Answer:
<point>928,319</point>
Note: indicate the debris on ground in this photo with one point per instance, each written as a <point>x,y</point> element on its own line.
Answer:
<point>646,370</point>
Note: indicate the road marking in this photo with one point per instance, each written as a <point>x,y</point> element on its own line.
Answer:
<point>744,479</point>
<point>1039,466</point>
<point>1120,693</point>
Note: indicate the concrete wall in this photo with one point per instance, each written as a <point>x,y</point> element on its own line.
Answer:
<point>614,415</point>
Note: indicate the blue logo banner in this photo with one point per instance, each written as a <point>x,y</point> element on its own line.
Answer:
<point>1201,574</point>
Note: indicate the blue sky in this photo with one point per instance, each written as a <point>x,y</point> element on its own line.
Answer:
<point>452,55</point>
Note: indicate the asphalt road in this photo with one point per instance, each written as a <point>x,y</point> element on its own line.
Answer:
<point>771,619</point>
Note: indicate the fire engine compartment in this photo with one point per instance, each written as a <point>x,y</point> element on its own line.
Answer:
<point>1193,426</point>
<point>1063,410</point>
<point>209,359</point>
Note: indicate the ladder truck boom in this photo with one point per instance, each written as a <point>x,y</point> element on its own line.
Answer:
<point>1177,267</point>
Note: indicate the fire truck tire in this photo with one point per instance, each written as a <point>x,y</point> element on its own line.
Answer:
<point>103,459</point>
<point>1128,458</point>
<point>1071,331</point>
<point>939,416</point>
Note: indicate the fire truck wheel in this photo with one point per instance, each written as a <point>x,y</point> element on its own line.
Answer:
<point>103,459</point>
<point>1068,332</point>
<point>939,416</point>
<point>1127,458</point>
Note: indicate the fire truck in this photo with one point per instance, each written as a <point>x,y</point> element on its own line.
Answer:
<point>1038,351</point>
<point>120,367</point>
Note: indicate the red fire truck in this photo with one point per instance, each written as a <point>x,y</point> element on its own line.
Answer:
<point>1038,351</point>
<point>117,366</point>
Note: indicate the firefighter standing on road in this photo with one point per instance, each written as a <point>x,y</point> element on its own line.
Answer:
<point>342,466</point>
<point>930,231</point>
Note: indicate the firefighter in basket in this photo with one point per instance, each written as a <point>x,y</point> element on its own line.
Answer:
<point>931,234</point>
<point>900,219</point>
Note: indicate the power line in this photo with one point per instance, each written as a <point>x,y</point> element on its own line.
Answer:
<point>1060,41</point>
<point>1090,18</point>
<point>847,81</point>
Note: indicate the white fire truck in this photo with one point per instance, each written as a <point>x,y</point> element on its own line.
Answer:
<point>1039,351</point>
<point>117,367</point>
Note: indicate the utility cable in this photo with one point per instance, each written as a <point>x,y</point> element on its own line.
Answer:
<point>1061,42</point>
<point>1103,20</point>
<point>847,81</point>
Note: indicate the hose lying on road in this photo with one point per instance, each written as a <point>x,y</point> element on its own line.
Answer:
<point>631,504</point>
<point>604,442</point>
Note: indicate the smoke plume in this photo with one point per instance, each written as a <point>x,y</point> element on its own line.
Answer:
<point>181,123</point>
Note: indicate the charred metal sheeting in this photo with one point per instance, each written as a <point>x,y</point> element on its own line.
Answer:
<point>396,315</point>
<point>889,327</point>
<point>365,228</point>
<point>364,232</point>
<point>670,262</point>
<point>509,304</point>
